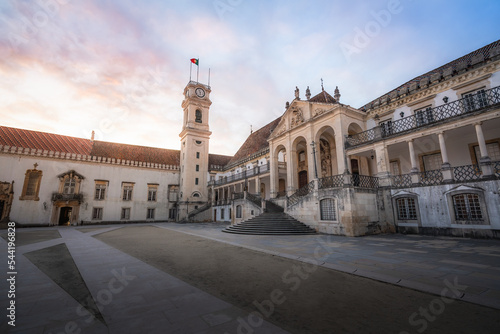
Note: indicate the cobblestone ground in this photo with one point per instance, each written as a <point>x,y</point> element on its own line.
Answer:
<point>170,278</point>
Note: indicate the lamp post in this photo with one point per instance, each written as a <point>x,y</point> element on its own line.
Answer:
<point>313,145</point>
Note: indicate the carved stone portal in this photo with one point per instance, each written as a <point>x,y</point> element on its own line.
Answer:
<point>6,197</point>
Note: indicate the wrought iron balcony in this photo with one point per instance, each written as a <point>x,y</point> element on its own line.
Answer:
<point>67,197</point>
<point>258,170</point>
<point>467,173</point>
<point>471,104</point>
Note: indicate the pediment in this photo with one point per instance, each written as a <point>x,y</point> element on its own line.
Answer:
<point>71,173</point>
<point>404,193</point>
<point>463,188</point>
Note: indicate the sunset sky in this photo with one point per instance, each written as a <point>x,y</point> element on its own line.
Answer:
<point>120,67</point>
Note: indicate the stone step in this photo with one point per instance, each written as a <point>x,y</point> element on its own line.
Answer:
<point>270,223</point>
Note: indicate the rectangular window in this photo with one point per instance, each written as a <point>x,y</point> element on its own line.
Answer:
<point>395,167</point>
<point>31,187</point>
<point>125,213</point>
<point>196,181</point>
<point>474,100</point>
<point>151,214</point>
<point>467,207</point>
<point>424,116</point>
<point>197,155</point>
<point>97,213</point>
<point>493,150</point>
<point>69,186</point>
<point>32,184</point>
<point>100,190</point>
<point>197,168</point>
<point>173,193</point>
<point>432,161</point>
<point>127,191</point>
<point>327,209</point>
<point>152,194</point>
<point>406,208</point>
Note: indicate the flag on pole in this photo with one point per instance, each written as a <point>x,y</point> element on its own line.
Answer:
<point>195,61</point>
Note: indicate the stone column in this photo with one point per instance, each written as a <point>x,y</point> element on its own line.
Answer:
<point>445,167</point>
<point>415,177</point>
<point>290,171</point>
<point>273,175</point>
<point>485,161</point>
<point>382,157</point>
<point>311,163</point>
<point>342,164</point>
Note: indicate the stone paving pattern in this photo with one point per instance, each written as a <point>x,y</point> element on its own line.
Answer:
<point>170,305</point>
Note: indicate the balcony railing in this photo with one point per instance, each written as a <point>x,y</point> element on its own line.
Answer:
<point>67,197</point>
<point>496,169</point>
<point>431,177</point>
<point>467,105</point>
<point>467,173</point>
<point>364,181</point>
<point>241,176</point>
<point>331,182</point>
<point>401,181</point>
<point>301,192</point>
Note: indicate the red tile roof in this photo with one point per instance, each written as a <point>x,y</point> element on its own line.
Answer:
<point>218,160</point>
<point>135,153</point>
<point>484,51</point>
<point>59,143</point>
<point>255,142</point>
<point>323,97</point>
<point>44,141</point>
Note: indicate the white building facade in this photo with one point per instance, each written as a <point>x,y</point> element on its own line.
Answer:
<point>423,158</point>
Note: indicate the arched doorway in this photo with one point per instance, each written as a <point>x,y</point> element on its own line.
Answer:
<point>301,164</point>
<point>326,152</point>
<point>65,215</point>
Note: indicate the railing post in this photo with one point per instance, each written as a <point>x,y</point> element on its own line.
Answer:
<point>415,177</point>
<point>486,169</point>
<point>447,172</point>
<point>347,178</point>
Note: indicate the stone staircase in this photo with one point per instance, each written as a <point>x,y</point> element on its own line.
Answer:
<point>270,223</point>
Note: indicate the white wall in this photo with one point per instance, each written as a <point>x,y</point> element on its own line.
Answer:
<point>13,168</point>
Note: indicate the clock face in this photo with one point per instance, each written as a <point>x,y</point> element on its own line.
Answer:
<point>200,92</point>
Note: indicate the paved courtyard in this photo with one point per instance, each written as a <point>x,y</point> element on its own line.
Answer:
<point>192,278</point>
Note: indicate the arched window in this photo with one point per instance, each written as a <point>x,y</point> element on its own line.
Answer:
<point>198,116</point>
<point>238,211</point>
<point>327,209</point>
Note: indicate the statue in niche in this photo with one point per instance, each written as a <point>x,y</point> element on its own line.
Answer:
<point>326,159</point>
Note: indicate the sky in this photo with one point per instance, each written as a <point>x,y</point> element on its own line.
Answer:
<point>119,67</point>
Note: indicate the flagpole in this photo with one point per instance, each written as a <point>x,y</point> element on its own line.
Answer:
<point>190,69</point>
<point>198,70</point>
<point>208,78</point>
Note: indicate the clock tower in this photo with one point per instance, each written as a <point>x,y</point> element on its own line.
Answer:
<point>195,136</point>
